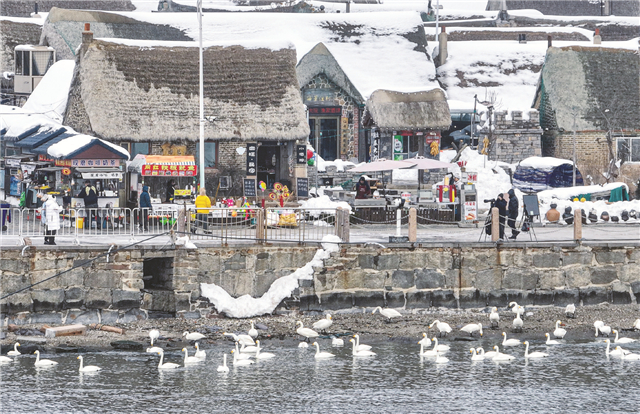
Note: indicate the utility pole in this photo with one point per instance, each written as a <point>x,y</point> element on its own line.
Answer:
<point>202,120</point>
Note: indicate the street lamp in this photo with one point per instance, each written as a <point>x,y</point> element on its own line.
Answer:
<point>202,120</point>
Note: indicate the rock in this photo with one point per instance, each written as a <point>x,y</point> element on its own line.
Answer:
<point>127,345</point>
<point>260,326</point>
<point>68,349</point>
<point>429,279</point>
<point>368,299</point>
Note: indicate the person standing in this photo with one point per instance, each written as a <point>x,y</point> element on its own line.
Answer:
<point>89,195</point>
<point>171,188</point>
<point>145,207</point>
<point>501,204</point>
<point>513,213</point>
<point>203,204</point>
<point>363,190</point>
<point>52,218</point>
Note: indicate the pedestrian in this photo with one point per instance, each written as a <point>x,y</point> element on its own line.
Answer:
<point>363,190</point>
<point>513,214</point>
<point>145,207</point>
<point>51,210</point>
<point>203,204</point>
<point>501,204</point>
<point>89,195</point>
<point>171,188</point>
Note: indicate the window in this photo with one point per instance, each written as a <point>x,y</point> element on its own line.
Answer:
<point>405,147</point>
<point>139,148</point>
<point>210,155</point>
<point>629,149</point>
<point>21,67</point>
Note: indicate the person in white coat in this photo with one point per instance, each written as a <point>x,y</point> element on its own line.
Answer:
<point>52,218</point>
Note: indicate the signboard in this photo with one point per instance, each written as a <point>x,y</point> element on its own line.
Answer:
<point>302,187</point>
<point>344,136</point>
<point>325,110</point>
<point>101,175</point>
<point>249,187</point>
<point>375,146</point>
<point>252,159</point>
<point>320,96</point>
<point>94,163</point>
<point>162,170</point>
<point>301,154</point>
<point>12,162</point>
<point>470,177</point>
<point>470,210</point>
<point>397,147</point>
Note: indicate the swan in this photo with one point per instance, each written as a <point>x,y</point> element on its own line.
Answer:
<point>425,340</point>
<point>475,356</point>
<point>15,351</point>
<point>88,368</point>
<point>337,341</point>
<point>601,328</point>
<point>42,362</point>
<point>494,316</point>
<point>423,353</point>
<point>167,365</point>
<point>570,310</point>
<point>155,349</point>
<point>515,308</point>
<point>533,354</point>
<point>243,339</point>
<point>517,322</point>
<point>441,359</point>
<point>631,357</point>
<point>356,353</point>
<point>359,346</point>
<point>441,347</point>
<point>239,355</point>
<point>190,359</point>
<point>154,334</point>
<point>622,340</point>
<point>253,332</point>
<point>240,362</point>
<point>388,313</point>
<point>618,352</point>
<point>306,332</point>
<point>472,327</point>
<point>262,355</point>
<point>486,355</point>
<point>193,336</point>
<point>551,341</point>
<point>223,367</point>
<point>251,349</point>
<point>559,332</point>
<point>303,345</point>
<point>636,324</point>
<point>200,353</point>
<point>509,342</point>
<point>323,324</point>
<point>321,355</point>
<point>5,359</point>
<point>499,357</point>
<point>442,327</point>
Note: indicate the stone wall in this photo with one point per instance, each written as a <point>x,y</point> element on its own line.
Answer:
<point>517,138</point>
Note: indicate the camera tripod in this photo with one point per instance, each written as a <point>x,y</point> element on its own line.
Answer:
<point>527,222</point>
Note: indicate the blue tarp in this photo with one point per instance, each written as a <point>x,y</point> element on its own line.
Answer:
<point>531,179</point>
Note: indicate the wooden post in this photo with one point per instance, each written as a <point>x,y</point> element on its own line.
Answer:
<point>182,215</point>
<point>413,225</point>
<point>345,226</point>
<point>260,223</point>
<point>338,223</point>
<point>495,224</point>
<point>577,224</point>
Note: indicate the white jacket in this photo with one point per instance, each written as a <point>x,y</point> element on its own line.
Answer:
<point>52,212</point>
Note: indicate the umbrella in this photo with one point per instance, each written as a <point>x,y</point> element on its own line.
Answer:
<point>422,163</point>
<point>381,165</point>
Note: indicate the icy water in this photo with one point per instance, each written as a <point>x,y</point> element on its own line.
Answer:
<point>576,378</point>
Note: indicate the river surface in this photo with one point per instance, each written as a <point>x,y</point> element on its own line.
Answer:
<point>577,377</point>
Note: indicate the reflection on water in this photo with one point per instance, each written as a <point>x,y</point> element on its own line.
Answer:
<point>575,378</point>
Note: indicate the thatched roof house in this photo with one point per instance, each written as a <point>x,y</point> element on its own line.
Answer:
<point>408,111</point>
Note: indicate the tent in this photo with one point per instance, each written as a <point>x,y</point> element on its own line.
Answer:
<point>535,174</point>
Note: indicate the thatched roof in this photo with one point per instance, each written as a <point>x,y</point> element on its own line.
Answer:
<point>124,92</point>
<point>408,111</point>
<point>584,88</point>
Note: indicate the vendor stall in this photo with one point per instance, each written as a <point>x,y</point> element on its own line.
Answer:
<point>157,171</point>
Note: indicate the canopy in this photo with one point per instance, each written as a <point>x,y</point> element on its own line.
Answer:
<point>380,165</point>
<point>164,165</point>
<point>422,163</point>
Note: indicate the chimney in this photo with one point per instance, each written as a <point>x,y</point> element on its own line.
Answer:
<point>87,35</point>
<point>35,11</point>
<point>596,38</point>
<point>549,42</point>
<point>442,47</point>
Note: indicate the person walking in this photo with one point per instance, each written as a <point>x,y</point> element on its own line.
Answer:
<point>513,213</point>
<point>203,204</point>
<point>145,208</point>
<point>501,204</point>
<point>89,195</point>
<point>51,210</point>
<point>363,190</point>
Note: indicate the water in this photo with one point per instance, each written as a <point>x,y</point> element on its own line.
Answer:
<point>576,378</point>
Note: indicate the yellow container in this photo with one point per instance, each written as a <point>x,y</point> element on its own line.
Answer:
<point>79,222</point>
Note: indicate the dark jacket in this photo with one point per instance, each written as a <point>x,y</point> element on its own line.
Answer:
<point>89,195</point>
<point>513,204</point>
<point>362,190</point>
<point>145,199</point>
<point>501,204</point>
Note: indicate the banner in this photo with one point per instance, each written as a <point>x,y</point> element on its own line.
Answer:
<point>169,170</point>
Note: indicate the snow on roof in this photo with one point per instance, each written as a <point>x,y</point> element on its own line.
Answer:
<point>544,163</point>
<point>70,145</point>
<point>18,121</point>
<point>50,96</point>
<point>31,20</point>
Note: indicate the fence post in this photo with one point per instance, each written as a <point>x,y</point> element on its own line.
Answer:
<point>338,223</point>
<point>413,225</point>
<point>345,226</point>
<point>577,224</point>
<point>495,224</point>
<point>182,215</point>
<point>260,225</point>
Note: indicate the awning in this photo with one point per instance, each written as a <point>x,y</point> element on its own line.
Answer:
<point>100,173</point>
<point>164,165</point>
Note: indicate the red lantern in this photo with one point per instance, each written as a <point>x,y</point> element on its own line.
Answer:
<point>309,154</point>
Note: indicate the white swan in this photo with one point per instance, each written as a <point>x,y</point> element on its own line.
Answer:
<point>487,355</point>
<point>423,353</point>
<point>475,356</point>
<point>425,340</point>
<point>570,310</point>
<point>623,340</point>
<point>306,332</point>
<point>551,341</point>
<point>516,308</point>
<point>88,368</point>
<point>5,359</point>
<point>200,353</point>
<point>601,328</point>
<point>42,362</point>
<point>193,336</point>
<point>243,339</point>
<point>500,357</point>
<point>357,353</point>
<point>494,316</point>
<point>559,332</point>
<point>442,327</point>
<point>533,354</point>
<point>253,332</point>
<point>240,362</point>
<point>15,351</point>
<point>617,352</point>
<point>155,349</point>
<point>239,355</point>
<point>166,365</point>
<point>509,342</point>
<point>636,324</point>
<point>471,328</point>
<point>190,359</point>
<point>323,324</point>
<point>517,321</point>
<point>303,345</point>
<point>631,357</point>
<point>250,349</point>
<point>321,355</point>
<point>441,359</point>
<point>337,341</point>
<point>154,334</point>
<point>359,346</point>
<point>387,313</point>
<point>262,355</point>
<point>441,347</point>
<point>223,367</point>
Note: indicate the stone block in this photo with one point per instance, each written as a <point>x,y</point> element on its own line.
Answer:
<point>563,297</point>
<point>412,260</point>
<point>488,279</point>
<point>20,302</point>
<point>571,258</point>
<point>305,283</point>
<point>543,297</point>
<point>188,315</point>
<point>84,263</point>
<point>387,262</point>
<point>635,288</point>
<point>49,318</point>
<point>11,283</point>
<point>83,317</point>
<point>126,299</point>
<point>611,256</point>
<point>577,276</point>
<point>603,275</point>
<point>47,300</point>
<point>418,299</point>
<point>182,301</point>
<point>502,297</point>
<point>372,279</point>
<point>132,284</point>
<point>102,279</point>
<point>403,279</point>
<point>97,298</point>
<point>429,279</point>
<point>550,279</point>
<point>368,298</point>
<point>593,295</point>
<point>236,262</point>
<point>443,298</point>
<point>470,298</point>
<point>547,260</point>
<point>620,293</point>
<point>132,315</point>
<point>336,300</point>
<point>629,273</point>
<point>309,303</point>
<point>394,299</point>
<point>17,266</point>
<point>108,316</point>
<point>366,261</point>
<point>520,278</point>
<point>74,293</point>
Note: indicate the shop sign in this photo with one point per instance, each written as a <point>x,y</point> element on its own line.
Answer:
<point>95,163</point>
<point>470,177</point>
<point>12,162</point>
<point>320,96</point>
<point>162,170</point>
<point>63,163</point>
<point>102,175</point>
<point>252,158</point>
<point>397,147</point>
<point>470,210</point>
<point>301,154</point>
<point>375,146</point>
<point>326,110</point>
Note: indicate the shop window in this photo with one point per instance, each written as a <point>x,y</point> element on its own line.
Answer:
<point>629,149</point>
<point>139,148</point>
<point>210,154</point>
<point>405,147</point>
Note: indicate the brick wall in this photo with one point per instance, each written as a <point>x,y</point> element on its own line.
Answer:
<point>517,138</point>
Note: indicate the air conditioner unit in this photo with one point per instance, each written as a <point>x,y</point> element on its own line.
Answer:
<point>30,64</point>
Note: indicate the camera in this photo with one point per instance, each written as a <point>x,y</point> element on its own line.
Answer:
<point>491,200</point>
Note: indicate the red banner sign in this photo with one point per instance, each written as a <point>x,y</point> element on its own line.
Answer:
<point>170,170</point>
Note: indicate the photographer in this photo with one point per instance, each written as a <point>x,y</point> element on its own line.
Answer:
<point>501,204</point>
<point>513,214</point>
